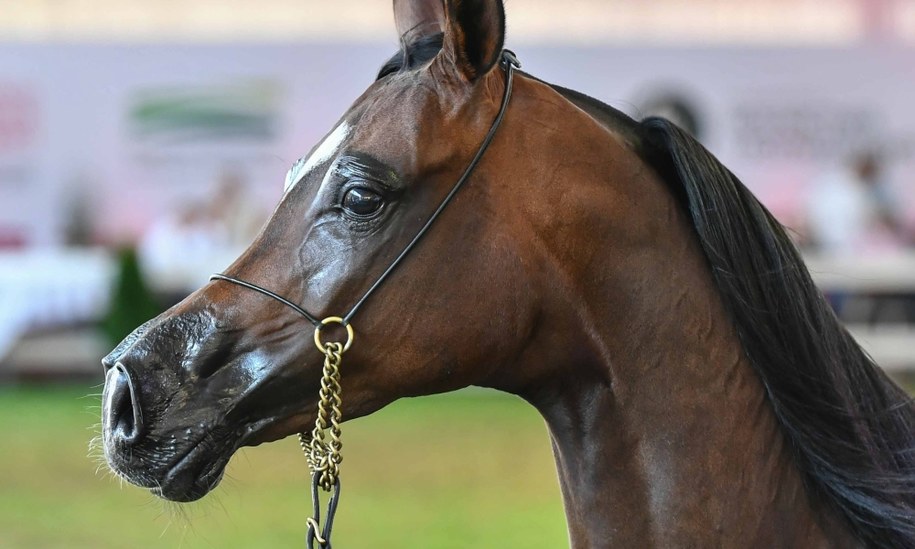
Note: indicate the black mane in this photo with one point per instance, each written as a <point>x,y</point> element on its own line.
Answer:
<point>851,428</point>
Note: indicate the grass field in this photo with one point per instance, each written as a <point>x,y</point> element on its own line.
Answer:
<point>471,469</point>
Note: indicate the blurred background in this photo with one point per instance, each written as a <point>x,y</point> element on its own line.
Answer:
<point>144,142</point>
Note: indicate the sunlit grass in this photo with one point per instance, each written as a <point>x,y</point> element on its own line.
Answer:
<point>471,469</point>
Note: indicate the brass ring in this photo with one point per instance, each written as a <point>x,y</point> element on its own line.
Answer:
<point>332,320</point>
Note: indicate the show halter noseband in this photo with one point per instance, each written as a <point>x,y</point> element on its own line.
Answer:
<point>324,456</point>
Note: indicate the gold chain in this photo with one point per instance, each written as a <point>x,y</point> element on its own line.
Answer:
<point>322,447</point>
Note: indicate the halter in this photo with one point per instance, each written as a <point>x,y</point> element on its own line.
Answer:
<point>324,457</point>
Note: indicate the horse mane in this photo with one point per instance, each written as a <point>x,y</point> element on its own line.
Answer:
<point>850,426</point>
<point>851,429</point>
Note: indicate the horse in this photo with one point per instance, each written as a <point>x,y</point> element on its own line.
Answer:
<point>697,388</point>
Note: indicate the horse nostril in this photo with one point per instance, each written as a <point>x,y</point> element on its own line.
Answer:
<point>120,409</point>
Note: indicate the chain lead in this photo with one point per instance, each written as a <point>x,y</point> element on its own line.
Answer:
<point>314,522</point>
<point>323,445</point>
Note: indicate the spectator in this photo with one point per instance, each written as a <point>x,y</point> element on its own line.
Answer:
<point>853,210</point>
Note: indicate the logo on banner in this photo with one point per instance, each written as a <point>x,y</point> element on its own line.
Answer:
<point>241,112</point>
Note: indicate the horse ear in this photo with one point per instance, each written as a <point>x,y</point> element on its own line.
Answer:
<point>417,19</point>
<point>474,35</point>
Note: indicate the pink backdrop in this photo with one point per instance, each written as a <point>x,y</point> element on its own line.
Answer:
<point>93,128</point>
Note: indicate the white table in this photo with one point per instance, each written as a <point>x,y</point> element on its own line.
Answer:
<point>891,346</point>
<point>879,273</point>
<point>44,288</point>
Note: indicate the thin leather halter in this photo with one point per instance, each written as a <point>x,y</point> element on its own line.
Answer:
<point>510,62</point>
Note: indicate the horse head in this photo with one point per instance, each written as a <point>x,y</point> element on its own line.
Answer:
<point>229,367</point>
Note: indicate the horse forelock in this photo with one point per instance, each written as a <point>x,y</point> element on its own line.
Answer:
<point>413,54</point>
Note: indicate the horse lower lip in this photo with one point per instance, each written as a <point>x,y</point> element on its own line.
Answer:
<point>186,482</point>
<point>186,489</point>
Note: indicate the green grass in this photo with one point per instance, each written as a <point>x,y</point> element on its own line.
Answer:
<point>471,469</point>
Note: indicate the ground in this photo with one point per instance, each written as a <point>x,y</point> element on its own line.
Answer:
<point>472,468</point>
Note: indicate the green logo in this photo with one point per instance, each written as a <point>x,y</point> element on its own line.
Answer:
<point>244,112</point>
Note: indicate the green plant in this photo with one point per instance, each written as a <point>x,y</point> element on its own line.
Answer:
<point>132,303</point>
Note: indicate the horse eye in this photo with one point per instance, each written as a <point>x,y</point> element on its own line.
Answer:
<point>361,201</point>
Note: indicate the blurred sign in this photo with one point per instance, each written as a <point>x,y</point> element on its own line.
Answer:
<point>811,131</point>
<point>181,142</point>
<point>239,112</point>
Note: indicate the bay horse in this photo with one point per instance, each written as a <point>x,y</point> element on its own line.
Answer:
<point>697,388</point>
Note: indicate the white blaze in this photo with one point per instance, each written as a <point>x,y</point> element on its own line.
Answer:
<point>326,150</point>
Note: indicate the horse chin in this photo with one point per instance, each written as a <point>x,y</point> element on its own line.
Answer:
<point>278,428</point>
<point>185,477</point>
<point>190,483</point>
<point>202,468</point>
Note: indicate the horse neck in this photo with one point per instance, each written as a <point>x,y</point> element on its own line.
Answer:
<point>660,428</point>
<point>674,445</point>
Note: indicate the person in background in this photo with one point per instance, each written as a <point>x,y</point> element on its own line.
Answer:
<point>854,210</point>
<point>182,248</point>
<point>177,238</point>
<point>853,213</point>
<point>676,106</point>
<point>232,213</point>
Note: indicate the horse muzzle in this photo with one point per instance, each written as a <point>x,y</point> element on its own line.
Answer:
<point>183,393</point>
